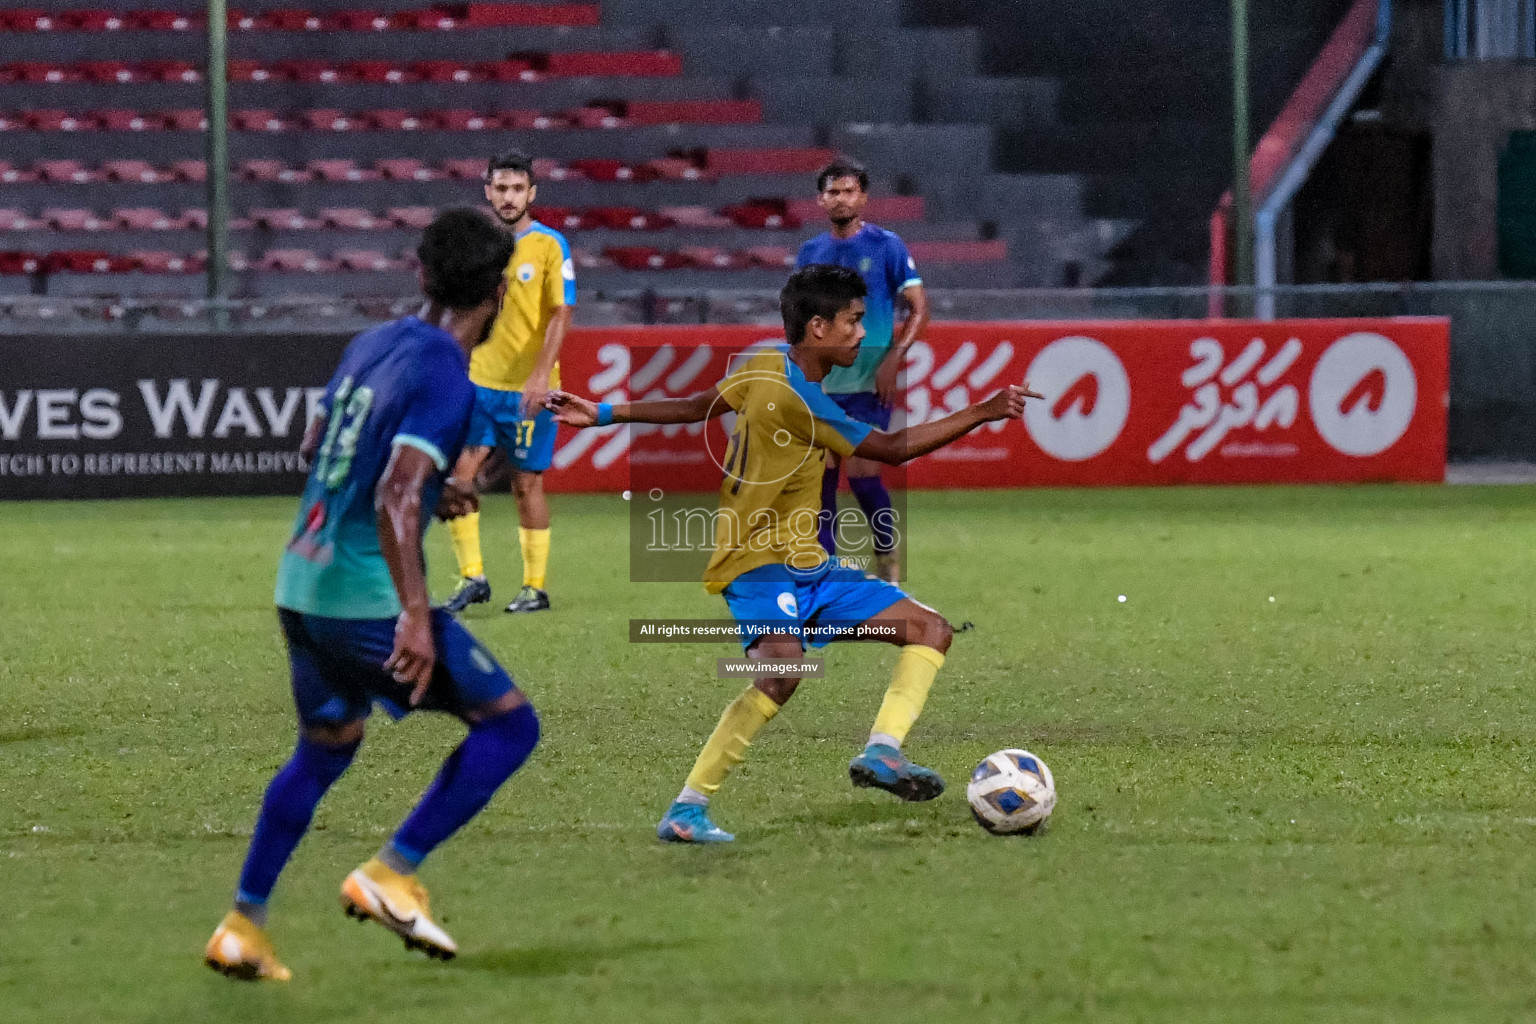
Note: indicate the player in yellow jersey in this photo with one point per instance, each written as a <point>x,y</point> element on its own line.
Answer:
<point>512,372</point>
<point>782,588</point>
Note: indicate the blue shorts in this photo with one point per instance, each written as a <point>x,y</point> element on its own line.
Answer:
<point>819,607</point>
<point>498,420</point>
<point>865,407</point>
<point>338,668</point>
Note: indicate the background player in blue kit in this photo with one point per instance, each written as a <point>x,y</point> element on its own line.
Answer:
<point>867,391</point>
<point>352,602</point>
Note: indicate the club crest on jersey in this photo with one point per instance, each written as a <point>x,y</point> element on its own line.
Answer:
<point>525,273</point>
<point>865,264</point>
<point>788,605</point>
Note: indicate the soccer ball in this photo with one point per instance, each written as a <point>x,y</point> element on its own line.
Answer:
<point>1011,793</point>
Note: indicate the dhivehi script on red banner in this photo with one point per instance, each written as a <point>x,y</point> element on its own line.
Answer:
<point>1126,402</point>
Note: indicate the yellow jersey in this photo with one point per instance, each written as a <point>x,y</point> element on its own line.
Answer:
<point>770,499</point>
<point>540,279</point>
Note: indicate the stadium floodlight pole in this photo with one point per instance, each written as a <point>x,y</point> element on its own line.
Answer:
<point>1242,201</point>
<point>217,158</point>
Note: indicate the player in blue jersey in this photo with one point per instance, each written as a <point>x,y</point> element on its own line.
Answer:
<point>867,391</point>
<point>353,606</point>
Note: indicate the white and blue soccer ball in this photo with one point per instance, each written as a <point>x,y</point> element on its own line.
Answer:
<point>1011,793</point>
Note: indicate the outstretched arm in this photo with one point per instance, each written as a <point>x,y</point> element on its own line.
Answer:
<point>397,502</point>
<point>696,408</point>
<point>910,442</point>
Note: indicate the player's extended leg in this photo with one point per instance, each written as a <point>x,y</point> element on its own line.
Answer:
<point>873,497</point>
<point>923,635</point>
<point>533,537</point>
<point>687,820</point>
<point>240,947</point>
<point>464,531</point>
<point>826,531</point>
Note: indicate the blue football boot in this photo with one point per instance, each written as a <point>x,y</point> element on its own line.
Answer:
<point>689,823</point>
<point>471,590</point>
<point>883,767</point>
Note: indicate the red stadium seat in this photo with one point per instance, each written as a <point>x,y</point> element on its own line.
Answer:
<point>594,116</point>
<point>411,216</point>
<point>395,120</point>
<point>248,71</point>
<point>185,120</point>
<point>27,19</point>
<point>760,214</point>
<point>641,64</point>
<point>423,20</point>
<point>512,69</point>
<point>294,260</point>
<point>190,170</point>
<point>707,258</point>
<point>326,120</point>
<point>994,251</point>
<point>378,71</point>
<point>693,112</point>
<point>358,21</point>
<point>75,220</point>
<point>258,121</point>
<point>562,219</point>
<point>545,169</point>
<point>35,71</point>
<point>695,217</point>
<point>442,71</point>
<point>350,218</point>
<point>629,218</point>
<point>288,20</point>
<point>14,263</point>
<point>88,261</point>
<point>768,161</point>
<point>636,257</point>
<point>306,70</point>
<point>195,218</point>
<point>70,171</point>
<point>126,120</point>
<point>367,259</point>
<point>604,170</point>
<point>463,121</point>
<point>672,168</point>
<point>260,170</point>
<point>135,170</point>
<point>109,72</point>
<point>16,220</point>
<point>171,70</point>
<point>12,175</point>
<point>340,170</point>
<point>282,219</point>
<point>11,122</point>
<point>143,218</point>
<point>56,121</point>
<point>522,120</point>
<point>156,262</point>
<point>163,21</point>
<point>90,20</point>
<point>485,15</point>
<point>465,169</point>
<point>773,257</point>
<point>406,169</point>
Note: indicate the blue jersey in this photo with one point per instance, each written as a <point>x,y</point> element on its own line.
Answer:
<point>881,258</point>
<point>401,383</point>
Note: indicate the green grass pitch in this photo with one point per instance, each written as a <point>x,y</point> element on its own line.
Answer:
<point>1295,774</point>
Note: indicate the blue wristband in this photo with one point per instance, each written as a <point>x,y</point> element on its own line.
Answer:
<point>604,414</point>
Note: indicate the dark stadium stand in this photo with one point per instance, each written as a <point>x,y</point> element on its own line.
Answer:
<point>677,142</point>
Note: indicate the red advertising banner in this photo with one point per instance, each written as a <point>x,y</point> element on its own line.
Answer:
<point>1126,402</point>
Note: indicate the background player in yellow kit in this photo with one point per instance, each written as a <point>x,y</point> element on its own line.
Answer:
<point>512,372</point>
<point>782,588</point>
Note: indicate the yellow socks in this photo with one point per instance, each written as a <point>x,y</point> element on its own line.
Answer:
<point>535,544</point>
<point>915,670</point>
<point>743,718</point>
<point>465,532</point>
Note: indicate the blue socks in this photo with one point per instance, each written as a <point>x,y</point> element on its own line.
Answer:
<point>875,500</point>
<point>828,509</point>
<point>493,750</point>
<point>286,811</point>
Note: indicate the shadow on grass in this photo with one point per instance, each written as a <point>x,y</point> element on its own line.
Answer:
<point>57,732</point>
<point>553,961</point>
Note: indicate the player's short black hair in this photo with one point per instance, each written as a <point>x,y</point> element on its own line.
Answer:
<point>842,167</point>
<point>463,255</point>
<point>819,289</point>
<point>510,160</point>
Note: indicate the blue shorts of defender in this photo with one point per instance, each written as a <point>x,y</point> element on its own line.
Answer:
<point>865,406</point>
<point>338,669</point>
<point>776,599</point>
<point>498,420</point>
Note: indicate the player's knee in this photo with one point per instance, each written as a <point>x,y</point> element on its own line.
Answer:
<point>336,737</point>
<point>931,630</point>
<point>777,689</point>
<point>528,485</point>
